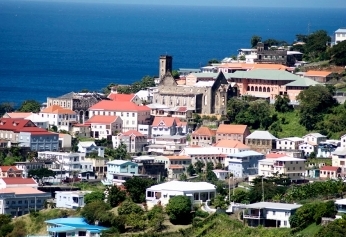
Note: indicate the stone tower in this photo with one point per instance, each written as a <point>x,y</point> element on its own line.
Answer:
<point>166,64</point>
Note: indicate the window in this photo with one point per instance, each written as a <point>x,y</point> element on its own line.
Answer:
<point>285,223</point>
<point>274,212</point>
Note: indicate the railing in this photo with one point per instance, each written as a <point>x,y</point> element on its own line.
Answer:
<point>252,216</point>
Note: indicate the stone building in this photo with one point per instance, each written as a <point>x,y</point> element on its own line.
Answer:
<point>78,102</point>
<point>265,55</point>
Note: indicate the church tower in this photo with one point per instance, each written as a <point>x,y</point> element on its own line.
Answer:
<point>166,64</point>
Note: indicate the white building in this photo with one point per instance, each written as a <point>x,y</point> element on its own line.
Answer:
<point>26,166</point>
<point>222,174</point>
<point>59,117</point>
<point>104,126</point>
<point>293,168</point>
<point>198,192</point>
<point>289,143</point>
<point>308,148</point>
<point>38,120</point>
<point>340,35</point>
<point>231,146</point>
<point>204,154</point>
<point>70,200</point>
<point>343,141</point>
<point>90,147</point>
<point>65,140</point>
<point>314,138</point>
<point>269,214</point>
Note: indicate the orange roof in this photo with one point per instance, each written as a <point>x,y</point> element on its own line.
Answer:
<point>18,115</point>
<point>125,106</point>
<point>21,190</point>
<point>230,144</point>
<point>132,132</point>
<point>329,168</point>
<point>178,157</point>
<point>167,121</point>
<point>5,168</point>
<point>120,97</point>
<point>274,155</point>
<point>18,180</point>
<point>204,131</point>
<point>231,129</point>
<point>56,109</point>
<point>251,66</point>
<point>175,167</point>
<point>317,73</point>
<point>101,119</point>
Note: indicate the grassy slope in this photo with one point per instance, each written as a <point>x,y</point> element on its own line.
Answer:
<point>291,127</point>
<point>311,230</point>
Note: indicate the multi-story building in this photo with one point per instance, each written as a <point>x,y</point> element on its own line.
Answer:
<point>314,138</point>
<point>130,113</point>
<point>38,120</point>
<point>330,172</point>
<point>150,166</point>
<point>175,165</point>
<point>236,132</point>
<point>243,164</point>
<point>167,145</point>
<point>26,166</point>
<point>203,136</point>
<point>340,35</point>
<point>293,168</point>
<point>269,214</point>
<point>39,141</point>
<point>115,96</point>
<point>17,182</point>
<point>261,141</point>
<point>81,130</point>
<point>230,146</point>
<point>319,76</point>
<point>204,154</point>
<point>90,147</point>
<point>70,200</point>
<point>165,126</point>
<point>59,117</point>
<point>289,143</point>
<point>104,126</point>
<point>99,165</point>
<point>134,141</point>
<point>119,167</point>
<point>343,141</point>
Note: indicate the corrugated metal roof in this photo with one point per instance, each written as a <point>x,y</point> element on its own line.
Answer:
<point>265,74</point>
<point>303,82</point>
<point>261,135</point>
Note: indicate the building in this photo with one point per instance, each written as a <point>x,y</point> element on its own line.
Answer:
<point>261,141</point>
<point>115,96</point>
<point>243,164</point>
<point>166,65</point>
<point>104,126</point>
<point>26,166</point>
<point>59,117</point>
<point>339,159</point>
<point>116,167</point>
<point>314,138</point>
<point>81,130</point>
<point>293,168</point>
<point>10,171</point>
<point>73,226</point>
<point>90,147</point>
<point>340,35</point>
<point>198,192</point>
<point>236,132</point>
<point>319,76</point>
<point>340,207</point>
<point>330,172</point>
<point>222,174</point>
<point>269,214</point>
<point>131,114</point>
<point>99,165</point>
<point>230,146</point>
<point>203,136</point>
<point>65,141</point>
<point>38,120</point>
<point>279,56</point>
<point>70,200</point>
<point>165,126</point>
<point>134,141</point>
<point>289,143</point>
<point>343,141</point>
<point>327,148</point>
<point>307,148</point>
<point>204,154</point>
<point>17,115</point>
<point>17,182</point>
<point>77,102</point>
<point>175,165</point>
<point>18,201</point>
<point>167,145</point>
<point>150,166</point>
<point>39,141</point>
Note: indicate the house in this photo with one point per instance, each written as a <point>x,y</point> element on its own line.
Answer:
<point>81,130</point>
<point>114,96</point>
<point>65,141</point>
<point>18,201</point>
<point>175,165</point>
<point>330,172</point>
<point>269,214</point>
<point>145,96</point>
<point>17,182</point>
<point>289,143</point>
<point>243,164</point>
<point>221,174</point>
<point>339,159</point>
<point>293,168</point>
<point>167,145</point>
<point>204,154</point>
<point>340,207</point>
<point>134,141</point>
<point>16,115</point>
<point>130,113</point>
<point>60,117</point>
<point>39,140</point>
<point>99,165</point>
<point>70,200</point>
<point>26,166</point>
<point>203,136</point>
<point>327,148</point>
<point>340,35</point>
<point>314,138</point>
<point>10,171</point>
<point>73,226</point>
<point>145,129</point>
<point>165,126</point>
<point>150,166</point>
<point>198,192</point>
<point>90,147</point>
<point>261,141</point>
<point>343,141</point>
<point>307,148</point>
<point>38,120</point>
<point>319,76</point>
<point>116,167</point>
<point>104,126</point>
<point>232,132</point>
<point>230,146</point>
<point>4,143</point>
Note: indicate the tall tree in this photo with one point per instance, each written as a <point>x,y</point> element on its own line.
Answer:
<point>179,210</point>
<point>136,188</point>
<point>282,104</point>
<point>30,106</point>
<point>255,39</point>
<point>6,107</point>
<point>338,53</point>
<point>316,45</point>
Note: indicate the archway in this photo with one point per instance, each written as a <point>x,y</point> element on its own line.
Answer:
<point>252,88</point>
<point>260,89</point>
<point>264,89</point>
<point>256,88</point>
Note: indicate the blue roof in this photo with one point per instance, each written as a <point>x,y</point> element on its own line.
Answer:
<point>243,154</point>
<point>61,229</point>
<point>72,223</point>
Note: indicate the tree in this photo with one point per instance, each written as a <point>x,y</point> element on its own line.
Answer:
<point>120,153</point>
<point>136,188</point>
<point>6,107</point>
<point>41,173</point>
<point>220,202</point>
<point>183,177</point>
<point>198,166</point>
<point>336,228</point>
<point>92,211</point>
<point>156,218</point>
<point>282,105</point>
<point>94,196</point>
<point>212,61</point>
<point>136,221</point>
<point>316,45</point>
<point>190,170</point>
<point>129,207</point>
<point>179,210</point>
<point>19,229</point>
<point>115,196</point>
<point>30,106</point>
<point>255,39</point>
<point>234,107</point>
<point>5,225</point>
<point>338,54</point>
<point>175,74</point>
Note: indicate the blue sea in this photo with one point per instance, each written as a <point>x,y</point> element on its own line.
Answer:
<point>52,48</point>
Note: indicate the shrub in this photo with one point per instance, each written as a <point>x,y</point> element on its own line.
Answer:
<point>129,207</point>
<point>200,213</point>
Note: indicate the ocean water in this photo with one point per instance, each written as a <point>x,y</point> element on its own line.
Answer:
<point>48,49</point>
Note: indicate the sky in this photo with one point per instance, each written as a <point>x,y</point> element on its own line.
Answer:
<point>241,3</point>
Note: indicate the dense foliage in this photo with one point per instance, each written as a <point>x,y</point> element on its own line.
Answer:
<point>115,196</point>
<point>94,196</point>
<point>336,228</point>
<point>136,188</point>
<point>145,82</point>
<point>179,210</point>
<point>30,106</point>
<point>41,173</point>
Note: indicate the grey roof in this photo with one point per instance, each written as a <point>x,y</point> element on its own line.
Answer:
<point>341,30</point>
<point>303,82</point>
<point>265,74</point>
<point>196,70</point>
<point>340,151</point>
<point>243,154</point>
<point>261,135</point>
<point>273,205</point>
<point>67,96</point>
<point>206,74</point>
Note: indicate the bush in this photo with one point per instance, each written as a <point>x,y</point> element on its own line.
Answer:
<point>179,210</point>
<point>200,213</point>
<point>197,221</point>
<point>129,207</point>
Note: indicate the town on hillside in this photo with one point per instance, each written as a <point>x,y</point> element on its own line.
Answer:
<point>260,137</point>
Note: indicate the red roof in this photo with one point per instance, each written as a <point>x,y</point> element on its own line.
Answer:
<point>182,109</point>
<point>19,125</point>
<point>125,106</point>
<point>17,115</point>
<point>204,131</point>
<point>103,119</point>
<point>132,132</point>
<point>274,155</point>
<point>5,168</point>
<point>120,97</point>
<point>167,121</point>
<point>329,168</point>
<point>18,180</point>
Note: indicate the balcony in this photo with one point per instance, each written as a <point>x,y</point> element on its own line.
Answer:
<point>247,216</point>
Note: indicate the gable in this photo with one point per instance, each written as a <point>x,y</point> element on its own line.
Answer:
<point>168,80</point>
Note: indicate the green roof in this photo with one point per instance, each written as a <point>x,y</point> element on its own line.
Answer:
<point>265,74</point>
<point>303,82</point>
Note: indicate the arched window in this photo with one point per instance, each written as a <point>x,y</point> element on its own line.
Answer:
<point>264,89</point>
<point>256,88</point>
<point>260,89</point>
<point>268,89</point>
<point>252,88</point>
<point>248,88</point>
